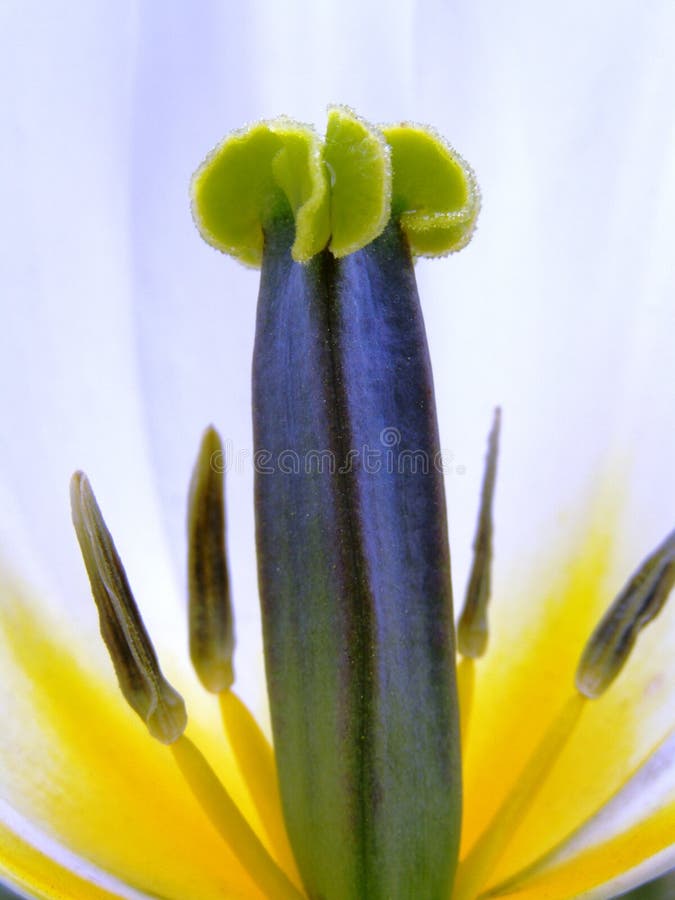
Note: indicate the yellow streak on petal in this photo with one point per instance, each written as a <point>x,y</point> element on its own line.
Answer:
<point>33,872</point>
<point>599,865</point>
<point>83,768</point>
<point>530,671</point>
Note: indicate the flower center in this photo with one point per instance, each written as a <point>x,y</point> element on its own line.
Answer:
<point>212,646</point>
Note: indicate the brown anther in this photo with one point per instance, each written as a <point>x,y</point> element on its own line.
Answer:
<point>147,691</point>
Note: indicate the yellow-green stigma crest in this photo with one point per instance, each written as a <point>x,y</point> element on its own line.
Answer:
<point>255,176</point>
<point>358,159</point>
<point>341,192</point>
<point>435,193</point>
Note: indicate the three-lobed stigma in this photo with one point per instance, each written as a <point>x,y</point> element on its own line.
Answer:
<point>341,192</point>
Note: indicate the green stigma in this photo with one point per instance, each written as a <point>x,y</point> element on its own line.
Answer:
<point>256,176</point>
<point>341,192</point>
<point>358,160</point>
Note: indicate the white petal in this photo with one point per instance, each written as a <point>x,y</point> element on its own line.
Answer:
<point>561,309</point>
<point>70,390</point>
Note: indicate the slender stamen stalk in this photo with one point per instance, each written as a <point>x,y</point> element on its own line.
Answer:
<point>475,869</point>
<point>255,759</point>
<point>466,682</point>
<point>230,823</point>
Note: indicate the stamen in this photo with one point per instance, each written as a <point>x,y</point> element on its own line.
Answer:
<point>472,632</point>
<point>150,695</point>
<point>638,603</point>
<point>140,678</point>
<point>210,611</point>
<point>475,869</point>
<point>230,823</point>
<point>212,638</point>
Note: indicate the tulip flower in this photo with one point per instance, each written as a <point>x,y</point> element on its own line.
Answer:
<point>124,337</point>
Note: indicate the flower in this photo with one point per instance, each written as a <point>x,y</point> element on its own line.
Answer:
<point>540,109</point>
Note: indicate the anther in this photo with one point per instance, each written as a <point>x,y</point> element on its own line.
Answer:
<point>638,603</point>
<point>140,678</point>
<point>472,632</point>
<point>210,611</point>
